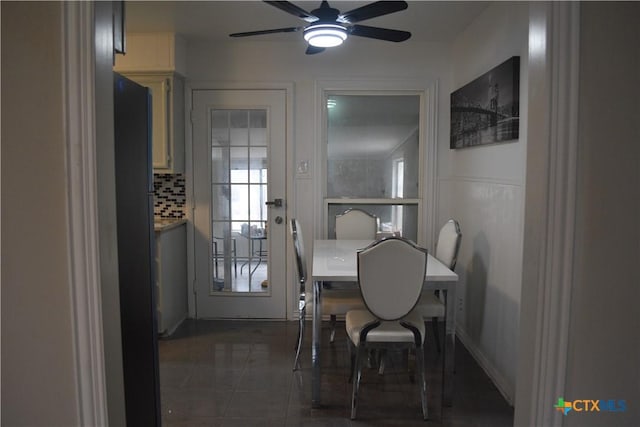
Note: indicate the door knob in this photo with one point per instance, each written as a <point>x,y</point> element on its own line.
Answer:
<point>278,220</point>
<point>275,202</point>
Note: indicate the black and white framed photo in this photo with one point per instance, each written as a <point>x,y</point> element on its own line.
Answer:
<point>487,110</point>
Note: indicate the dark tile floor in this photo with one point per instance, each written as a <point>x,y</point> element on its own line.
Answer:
<point>238,373</point>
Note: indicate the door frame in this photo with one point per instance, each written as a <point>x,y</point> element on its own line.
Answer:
<point>550,211</point>
<point>91,353</point>
<point>290,297</point>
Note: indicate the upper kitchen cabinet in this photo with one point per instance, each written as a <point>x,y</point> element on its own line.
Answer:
<point>153,52</point>
<point>155,60</point>
<point>167,106</point>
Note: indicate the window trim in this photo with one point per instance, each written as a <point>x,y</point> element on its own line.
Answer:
<point>426,148</point>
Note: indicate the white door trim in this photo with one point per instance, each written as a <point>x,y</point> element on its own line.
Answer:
<point>550,216</point>
<point>82,221</point>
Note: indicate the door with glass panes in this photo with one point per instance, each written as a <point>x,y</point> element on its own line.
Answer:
<point>239,145</point>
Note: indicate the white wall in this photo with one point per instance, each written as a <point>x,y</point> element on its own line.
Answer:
<point>604,342</point>
<point>364,62</point>
<point>483,187</point>
<point>38,361</point>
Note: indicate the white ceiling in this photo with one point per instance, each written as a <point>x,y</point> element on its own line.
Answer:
<point>215,20</point>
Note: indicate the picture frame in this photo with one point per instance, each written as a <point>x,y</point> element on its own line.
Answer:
<point>487,109</point>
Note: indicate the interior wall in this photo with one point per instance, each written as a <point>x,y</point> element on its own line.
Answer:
<point>603,348</point>
<point>38,361</point>
<point>483,187</point>
<point>367,63</point>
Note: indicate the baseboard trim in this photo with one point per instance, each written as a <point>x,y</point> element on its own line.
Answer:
<point>507,391</point>
<point>169,331</point>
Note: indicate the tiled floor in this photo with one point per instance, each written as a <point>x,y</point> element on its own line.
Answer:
<point>238,373</point>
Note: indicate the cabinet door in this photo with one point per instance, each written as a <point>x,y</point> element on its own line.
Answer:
<point>160,122</point>
<point>160,89</point>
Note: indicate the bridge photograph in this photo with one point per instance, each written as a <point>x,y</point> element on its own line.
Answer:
<point>486,110</point>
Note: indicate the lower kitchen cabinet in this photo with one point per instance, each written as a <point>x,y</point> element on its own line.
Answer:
<point>171,275</point>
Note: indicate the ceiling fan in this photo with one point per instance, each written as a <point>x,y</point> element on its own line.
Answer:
<point>328,27</point>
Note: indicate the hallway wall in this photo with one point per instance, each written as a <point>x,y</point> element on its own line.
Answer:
<point>38,360</point>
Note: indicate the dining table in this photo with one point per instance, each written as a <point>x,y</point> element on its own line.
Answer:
<point>336,261</point>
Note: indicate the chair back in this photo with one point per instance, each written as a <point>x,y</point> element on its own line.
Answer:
<point>449,243</point>
<point>390,275</point>
<point>298,248</point>
<point>356,224</point>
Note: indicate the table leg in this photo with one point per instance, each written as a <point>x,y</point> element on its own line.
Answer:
<point>448,357</point>
<point>315,345</point>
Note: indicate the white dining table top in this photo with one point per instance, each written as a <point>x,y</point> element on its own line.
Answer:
<point>336,260</point>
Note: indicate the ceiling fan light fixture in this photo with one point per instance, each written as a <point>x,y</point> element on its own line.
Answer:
<point>325,35</point>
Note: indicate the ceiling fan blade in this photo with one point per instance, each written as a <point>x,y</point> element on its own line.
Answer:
<point>261,32</point>
<point>312,50</point>
<point>293,10</point>
<point>379,33</point>
<point>372,10</point>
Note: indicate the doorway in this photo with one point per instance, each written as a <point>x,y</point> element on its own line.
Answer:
<point>239,174</point>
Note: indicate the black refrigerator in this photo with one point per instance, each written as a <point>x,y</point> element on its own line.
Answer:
<point>136,257</point>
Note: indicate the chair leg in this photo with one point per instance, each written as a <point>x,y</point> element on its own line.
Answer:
<point>382,356</point>
<point>296,362</point>
<point>333,328</point>
<point>436,332</point>
<point>235,259</point>
<point>420,370</point>
<point>352,358</point>
<point>215,258</point>
<point>356,383</point>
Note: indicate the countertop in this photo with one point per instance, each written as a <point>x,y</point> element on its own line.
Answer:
<point>165,224</point>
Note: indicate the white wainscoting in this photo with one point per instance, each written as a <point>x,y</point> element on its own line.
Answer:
<point>490,213</point>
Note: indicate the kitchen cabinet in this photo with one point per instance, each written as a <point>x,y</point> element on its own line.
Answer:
<point>171,275</point>
<point>167,94</point>
<point>153,52</point>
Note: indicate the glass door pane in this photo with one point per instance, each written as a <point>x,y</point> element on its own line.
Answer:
<point>238,195</point>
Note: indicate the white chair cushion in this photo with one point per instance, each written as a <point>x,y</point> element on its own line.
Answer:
<point>386,332</point>
<point>338,301</point>
<point>341,301</point>
<point>430,306</point>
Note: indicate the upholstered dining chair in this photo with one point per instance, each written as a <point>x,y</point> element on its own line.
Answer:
<point>430,305</point>
<point>353,224</point>
<point>332,301</point>
<point>390,276</point>
<point>356,224</point>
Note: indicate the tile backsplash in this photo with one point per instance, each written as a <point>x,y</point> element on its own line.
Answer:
<point>169,195</point>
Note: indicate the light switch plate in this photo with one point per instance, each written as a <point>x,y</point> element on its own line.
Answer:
<point>302,170</point>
